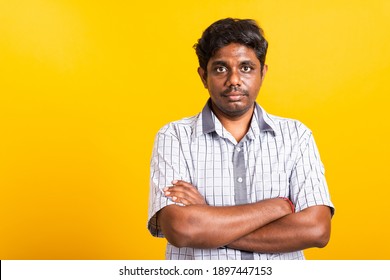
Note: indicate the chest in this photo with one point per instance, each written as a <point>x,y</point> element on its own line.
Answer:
<point>261,167</point>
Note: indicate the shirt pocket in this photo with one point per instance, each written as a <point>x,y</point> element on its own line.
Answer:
<point>270,185</point>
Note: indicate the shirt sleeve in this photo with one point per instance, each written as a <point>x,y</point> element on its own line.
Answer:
<point>167,164</point>
<point>308,183</point>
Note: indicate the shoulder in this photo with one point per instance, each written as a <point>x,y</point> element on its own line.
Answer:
<point>288,127</point>
<point>180,128</point>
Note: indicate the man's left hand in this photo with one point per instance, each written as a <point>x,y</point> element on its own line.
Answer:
<point>185,193</point>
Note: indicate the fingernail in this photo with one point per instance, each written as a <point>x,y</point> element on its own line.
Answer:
<point>174,198</point>
<point>174,181</point>
<point>167,193</point>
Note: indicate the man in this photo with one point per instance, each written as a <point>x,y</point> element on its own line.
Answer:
<point>235,182</point>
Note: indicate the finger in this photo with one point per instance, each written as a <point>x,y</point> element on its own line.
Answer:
<point>185,188</point>
<point>185,191</point>
<point>182,184</point>
<point>189,198</point>
<point>182,191</point>
<point>183,201</point>
<point>179,194</point>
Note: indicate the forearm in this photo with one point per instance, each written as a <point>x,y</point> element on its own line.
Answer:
<point>298,231</point>
<point>202,226</point>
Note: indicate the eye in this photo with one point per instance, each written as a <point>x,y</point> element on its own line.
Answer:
<point>220,69</point>
<point>246,68</point>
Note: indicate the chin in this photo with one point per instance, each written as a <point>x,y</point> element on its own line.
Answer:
<point>237,111</point>
<point>232,109</point>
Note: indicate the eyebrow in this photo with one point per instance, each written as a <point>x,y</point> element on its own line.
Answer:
<point>223,63</point>
<point>219,62</point>
<point>248,62</point>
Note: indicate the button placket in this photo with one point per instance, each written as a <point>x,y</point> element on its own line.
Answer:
<point>240,188</point>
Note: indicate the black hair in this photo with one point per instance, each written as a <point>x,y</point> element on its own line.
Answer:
<point>231,30</point>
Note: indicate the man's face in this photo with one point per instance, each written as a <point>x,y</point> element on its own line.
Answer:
<point>233,80</point>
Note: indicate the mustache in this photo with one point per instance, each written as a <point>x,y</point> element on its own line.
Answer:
<point>236,89</point>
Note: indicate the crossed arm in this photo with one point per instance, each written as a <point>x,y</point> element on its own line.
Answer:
<point>267,226</point>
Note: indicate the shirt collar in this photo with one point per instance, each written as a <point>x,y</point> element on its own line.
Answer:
<point>208,124</point>
<point>265,123</point>
<point>264,120</point>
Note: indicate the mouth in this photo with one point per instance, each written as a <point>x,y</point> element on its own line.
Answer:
<point>234,94</point>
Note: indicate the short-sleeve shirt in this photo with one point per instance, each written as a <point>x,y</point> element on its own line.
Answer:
<point>276,158</point>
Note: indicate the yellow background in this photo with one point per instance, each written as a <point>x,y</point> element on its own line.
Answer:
<point>85,85</point>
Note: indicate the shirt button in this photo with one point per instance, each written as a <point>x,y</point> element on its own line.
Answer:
<point>239,179</point>
<point>238,149</point>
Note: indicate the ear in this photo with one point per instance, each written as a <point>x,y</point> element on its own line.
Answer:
<point>265,69</point>
<point>203,76</point>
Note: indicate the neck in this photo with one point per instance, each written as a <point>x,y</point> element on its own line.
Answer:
<point>238,126</point>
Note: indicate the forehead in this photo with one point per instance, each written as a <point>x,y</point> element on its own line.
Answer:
<point>235,52</point>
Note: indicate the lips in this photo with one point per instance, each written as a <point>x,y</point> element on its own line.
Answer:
<point>234,96</point>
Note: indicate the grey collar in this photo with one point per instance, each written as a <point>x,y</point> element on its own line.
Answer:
<point>208,124</point>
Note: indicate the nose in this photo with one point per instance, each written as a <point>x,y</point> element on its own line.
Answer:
<point>234,78</point>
